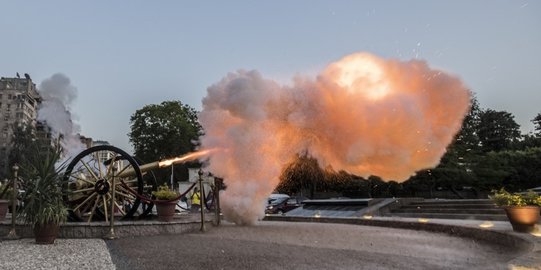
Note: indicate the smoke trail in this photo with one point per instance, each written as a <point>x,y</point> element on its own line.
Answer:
<point>362,114</point>
<point>58,94</point>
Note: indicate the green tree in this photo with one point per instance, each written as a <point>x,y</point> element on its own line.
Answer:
<point>514,170</point>
<point>528,141</point>
<point>465,148</point>
<point>20,149</point>
<point>165,130</point>
<point>537,125</point>
<point>302,173</point>
<point>22,140</point>
<point>497,130</point>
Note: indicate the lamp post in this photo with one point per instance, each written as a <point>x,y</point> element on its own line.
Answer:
<point>12,235</point>
<point>202,200</point>
<point>111,235</point>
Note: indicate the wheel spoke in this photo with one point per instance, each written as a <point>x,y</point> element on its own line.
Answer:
<point>85,201</point>
<point>120,209</point>
<point>89,170</point>
<point>124,189</point>
<point>99,163</point>
<point>82,179</point>
<point>82,190</point>
<point>111,165</point>
<point>93,209</point>
<point>87,207</point>
<point>117,205</point>
<point>128,196</point>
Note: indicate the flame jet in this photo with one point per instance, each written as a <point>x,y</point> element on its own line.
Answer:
<point>362,114</point>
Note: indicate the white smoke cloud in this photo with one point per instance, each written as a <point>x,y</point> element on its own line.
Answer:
<point>58,96</point>
<point>362,114</point>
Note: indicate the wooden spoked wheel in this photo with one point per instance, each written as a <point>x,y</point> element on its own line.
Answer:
<point>88,181</point>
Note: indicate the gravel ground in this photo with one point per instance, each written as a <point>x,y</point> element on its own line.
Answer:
<point>63,254</point>
<point>280,245</point>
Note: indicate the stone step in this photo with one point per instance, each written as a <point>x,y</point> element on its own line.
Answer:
<point>468,201</point>
<point>496,211</point>
<point>454,206</point>
<point>452,216</point>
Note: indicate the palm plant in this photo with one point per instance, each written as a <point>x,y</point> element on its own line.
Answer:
<point>43,197</point>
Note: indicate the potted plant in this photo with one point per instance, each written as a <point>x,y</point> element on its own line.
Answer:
<point>166,201</point>
<point>522,209</point>
<point>5,199</point>
<point>44,207</point>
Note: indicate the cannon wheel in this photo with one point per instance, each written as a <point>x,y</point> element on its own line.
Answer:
<point>88,184</point>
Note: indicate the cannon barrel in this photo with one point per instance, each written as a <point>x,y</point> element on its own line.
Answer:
<point>144,168</point>
<point>164,163</point>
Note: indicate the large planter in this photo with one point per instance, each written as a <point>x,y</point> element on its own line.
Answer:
<point>3,209</point>
<point>46,234</point>
<point>523,218</point>
<point>166,210</point>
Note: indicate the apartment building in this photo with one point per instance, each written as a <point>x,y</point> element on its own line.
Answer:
<point>19,101</point>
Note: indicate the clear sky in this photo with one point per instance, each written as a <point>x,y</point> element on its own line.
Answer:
<point>122,55</point>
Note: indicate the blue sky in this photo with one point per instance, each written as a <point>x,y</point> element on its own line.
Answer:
<point>124,55</point>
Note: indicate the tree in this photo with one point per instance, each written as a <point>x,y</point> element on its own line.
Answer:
<point>528,141</point>
<point>537,125</point>
<point>20,148</point>
<point>497,130</point>
<point>514,170</point>
<point>164,131</point>
<point>465,148</point>
<point>302,173</point>
<point>22,140</point>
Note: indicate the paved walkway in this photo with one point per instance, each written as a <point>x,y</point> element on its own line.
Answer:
<point>280,245</point>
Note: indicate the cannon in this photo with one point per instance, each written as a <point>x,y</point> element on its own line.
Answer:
<point>88,180</point>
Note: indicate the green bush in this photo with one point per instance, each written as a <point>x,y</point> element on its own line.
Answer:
<point>504,198</point>
<point>164,193</point>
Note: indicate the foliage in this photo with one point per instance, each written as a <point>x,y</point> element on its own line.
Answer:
<point>465,147</point>
<point>6,192</point>
<point>302,173</point>
<point>504,198</point>
<point>497,130</point>
<point>528,141</point>
<point>22,140</point>
<point>164,193</point>
<point>515,170</point>
<point>537,124</point>
<point>43,197</point>
<point>164,131</point>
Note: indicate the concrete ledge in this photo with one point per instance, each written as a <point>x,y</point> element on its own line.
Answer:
<point>181,224</point>
<point>502,234</point>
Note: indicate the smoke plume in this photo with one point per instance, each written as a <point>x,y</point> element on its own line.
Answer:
<point>58,95</point>
<point>362,114</point>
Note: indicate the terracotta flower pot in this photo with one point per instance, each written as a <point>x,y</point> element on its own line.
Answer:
<point>166,210</point>
<point>46,234</point>
<point>3,209</point>
<point>523,218</point>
